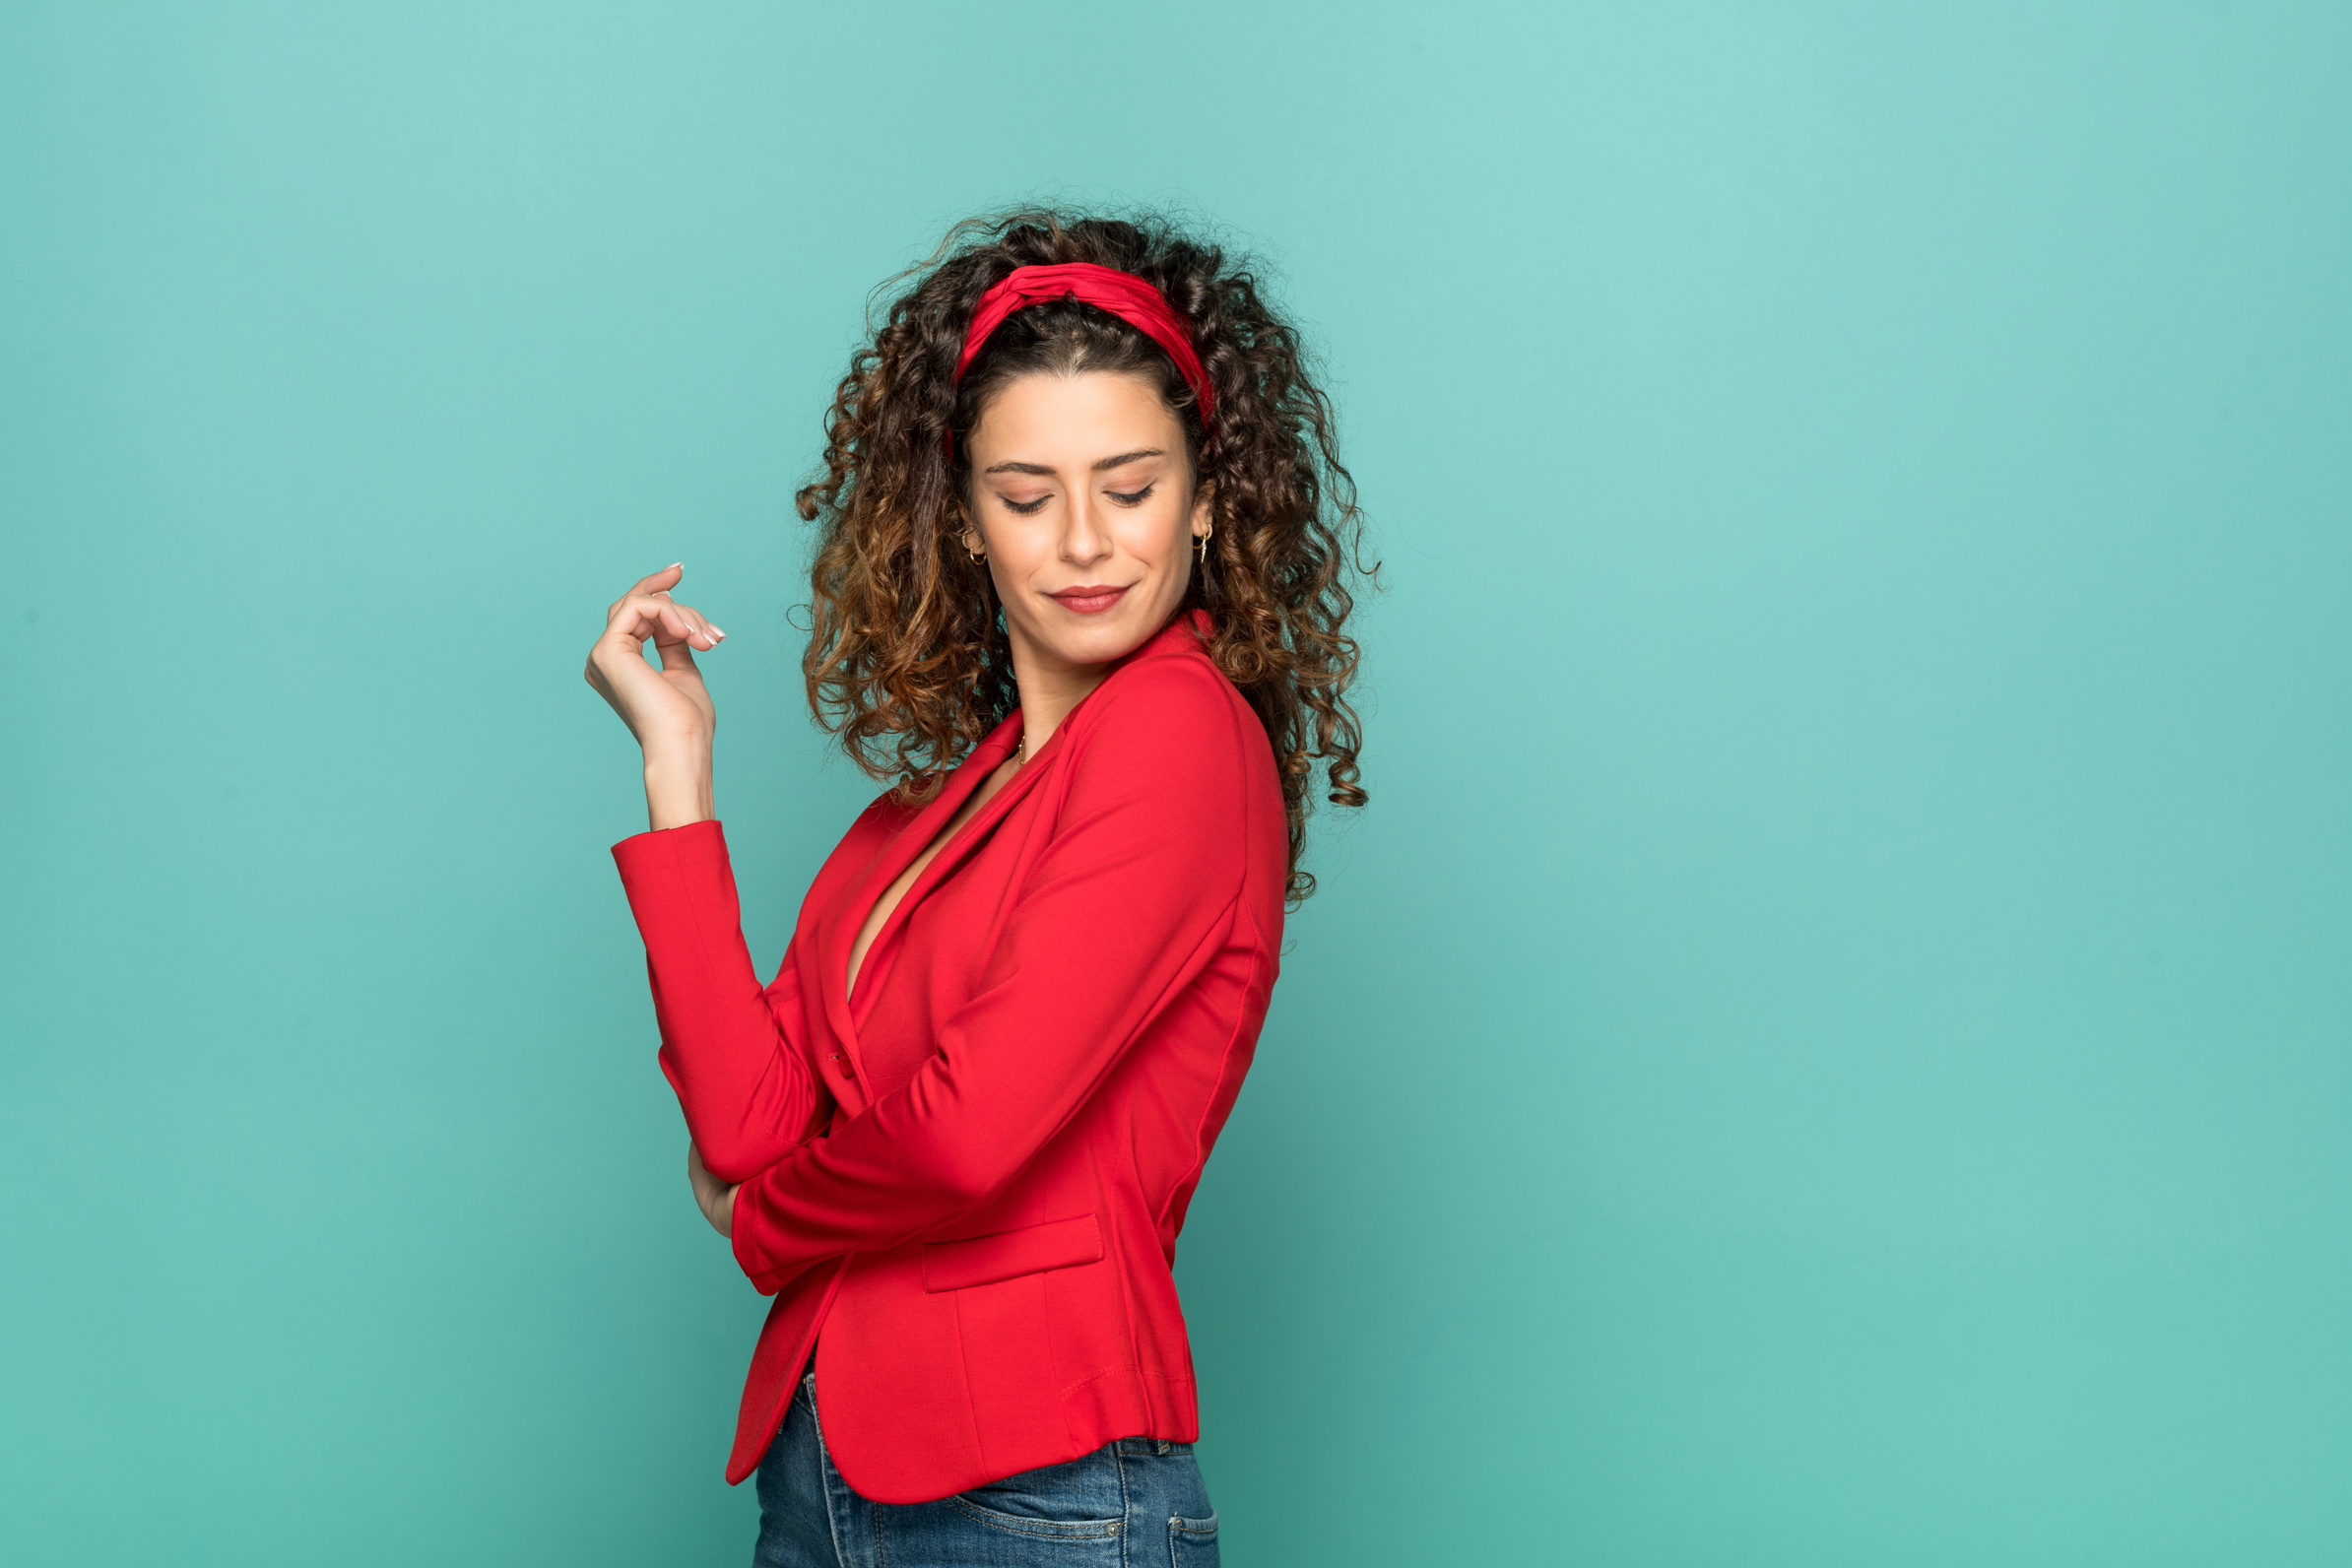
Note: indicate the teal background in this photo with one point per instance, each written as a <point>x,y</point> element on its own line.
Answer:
<point>1829,1046</point>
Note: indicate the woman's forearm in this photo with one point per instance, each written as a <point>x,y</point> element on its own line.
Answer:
<point>731,1047</point>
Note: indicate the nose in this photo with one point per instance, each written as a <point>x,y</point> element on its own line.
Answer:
<point>1085,536</point>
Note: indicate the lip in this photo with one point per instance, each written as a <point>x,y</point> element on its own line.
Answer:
<point>1090,598</point>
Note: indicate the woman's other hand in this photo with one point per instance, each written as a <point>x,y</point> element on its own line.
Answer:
<point>713,1197</point>
<point>668,709</point>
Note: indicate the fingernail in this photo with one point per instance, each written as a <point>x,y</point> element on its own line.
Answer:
<point>675,565</point>
<point>716,632</point>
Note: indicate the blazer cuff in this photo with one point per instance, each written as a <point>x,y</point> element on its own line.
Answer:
<point>678,881</point>
<point>682,892</point>
<point>742,1240</point>
<point>671,854</point>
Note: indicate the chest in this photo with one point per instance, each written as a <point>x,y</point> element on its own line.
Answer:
<point>904,882</point>
<point>924,944</point>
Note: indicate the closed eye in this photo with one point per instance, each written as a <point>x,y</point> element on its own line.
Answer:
<point>1026,509</point>
<point>1135,498</point>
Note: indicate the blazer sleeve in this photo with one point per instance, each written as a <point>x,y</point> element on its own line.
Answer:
<point>1132,895</point>
<point>731,1048</point>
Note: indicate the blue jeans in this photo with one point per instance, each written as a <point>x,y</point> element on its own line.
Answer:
<point>1133,1502</point>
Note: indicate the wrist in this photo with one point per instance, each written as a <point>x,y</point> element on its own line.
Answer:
<point>678,791</point>
<point>718,1207</point>
<point>676,750</point>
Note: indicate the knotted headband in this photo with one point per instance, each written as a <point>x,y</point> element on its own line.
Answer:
<point>1122,293</point>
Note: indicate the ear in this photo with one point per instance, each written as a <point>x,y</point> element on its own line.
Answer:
<point>1204,508</point>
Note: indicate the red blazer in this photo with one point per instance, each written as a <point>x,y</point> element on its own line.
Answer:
<point>965,1184</point>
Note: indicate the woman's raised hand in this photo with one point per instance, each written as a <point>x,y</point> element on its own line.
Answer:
<point>668,710</point>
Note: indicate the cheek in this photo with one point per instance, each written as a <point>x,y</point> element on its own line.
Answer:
<point>1159,532</point>
<point>1020,551</point>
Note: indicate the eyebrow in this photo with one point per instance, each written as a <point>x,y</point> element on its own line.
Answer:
<point>1106,463</point>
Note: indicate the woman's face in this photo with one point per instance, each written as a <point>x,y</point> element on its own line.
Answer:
<point>1084,503</point>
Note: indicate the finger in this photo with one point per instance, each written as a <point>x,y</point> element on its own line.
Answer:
<point>666,578</point>
<point>660,582</point>
<point>690,624</point>
<point>682,624</point>
<point>642,616</point>
<point>678,656</point>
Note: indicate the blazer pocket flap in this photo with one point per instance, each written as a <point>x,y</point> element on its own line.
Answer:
<point>984,1260</point>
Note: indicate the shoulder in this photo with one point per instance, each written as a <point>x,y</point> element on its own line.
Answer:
<point>1171,702</point>
<point>1168,739</point>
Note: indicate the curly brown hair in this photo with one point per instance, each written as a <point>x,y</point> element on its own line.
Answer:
<point>908,661</point>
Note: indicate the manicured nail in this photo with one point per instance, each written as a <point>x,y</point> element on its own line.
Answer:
<point>675,565</point>
<point>716,632</point>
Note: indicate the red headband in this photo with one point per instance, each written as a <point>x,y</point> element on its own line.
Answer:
<point>1122,293</point>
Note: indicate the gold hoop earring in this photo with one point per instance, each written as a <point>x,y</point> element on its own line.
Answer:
<point>1201,547</point>
<point>978,556</point>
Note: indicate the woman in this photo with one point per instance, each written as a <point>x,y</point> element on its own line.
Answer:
<point>1081,594</point>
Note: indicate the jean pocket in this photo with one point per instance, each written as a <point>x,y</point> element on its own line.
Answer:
<point>1192,1542</point>
<point>1075,1502</point>
<point>1032,1526</point>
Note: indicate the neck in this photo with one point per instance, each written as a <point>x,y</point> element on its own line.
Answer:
<point>1049,689</point>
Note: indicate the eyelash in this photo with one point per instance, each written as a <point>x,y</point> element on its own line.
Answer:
<point>1124,499</point>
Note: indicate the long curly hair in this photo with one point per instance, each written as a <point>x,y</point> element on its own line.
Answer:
<point>908,662</point>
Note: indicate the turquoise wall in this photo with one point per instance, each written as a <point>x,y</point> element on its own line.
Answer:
<point>1829,1047</point>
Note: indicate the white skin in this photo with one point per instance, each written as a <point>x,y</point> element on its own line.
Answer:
<point>1079,482</point>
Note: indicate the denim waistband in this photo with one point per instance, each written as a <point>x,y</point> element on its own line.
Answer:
<point>1128,1447</point>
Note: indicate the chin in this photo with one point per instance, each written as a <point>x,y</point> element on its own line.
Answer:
<point>1101,645</point>
<point>1112,637</point>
